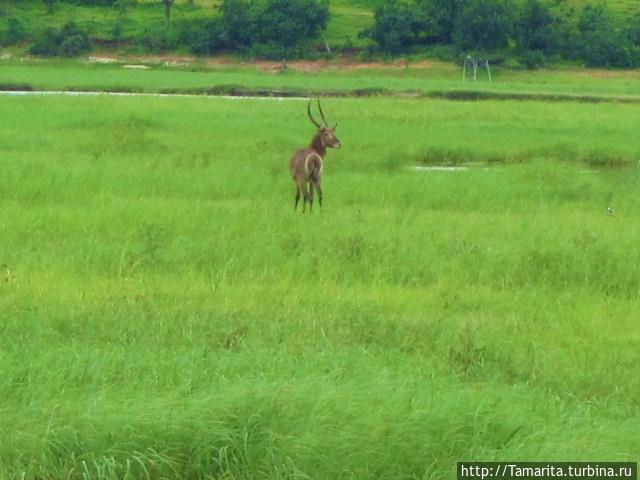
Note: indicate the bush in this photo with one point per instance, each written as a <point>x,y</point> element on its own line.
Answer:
<point>446,53</point>
<point>73,45</point>
<point>531,59</point>
<point>69,41</point>
<point>93,3</point>
<point>45,43</point>
<point>202,36</point>
<point>159,40</point>
<point>15,32</point>
<point>271,51</point>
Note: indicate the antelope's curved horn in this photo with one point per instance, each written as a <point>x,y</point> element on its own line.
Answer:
<point>322,114</point>
<point>310,116</point>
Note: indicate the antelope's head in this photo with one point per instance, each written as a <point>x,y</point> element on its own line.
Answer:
<point>325,133</point>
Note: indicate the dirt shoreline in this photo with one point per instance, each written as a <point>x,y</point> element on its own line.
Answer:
<point>307,66</point>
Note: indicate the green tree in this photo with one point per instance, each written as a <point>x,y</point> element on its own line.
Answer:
<point>15,32</point>
<point>397,26</point>
<point>284,24</point>
<point>633,30</point>
<point>439,17</point>
<point>533,25</point>
<point>122,7</point>
<point>483,25</point>
<point>49,4</point>
<point>167,11</point>
<point>237,24</point>
<point>287,23</point>
<point>604,42</point>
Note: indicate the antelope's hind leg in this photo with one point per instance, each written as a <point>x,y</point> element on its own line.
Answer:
<point>295,206</point>
<point>310,196</point>
<point>318,189</point>
<point>305,194</point>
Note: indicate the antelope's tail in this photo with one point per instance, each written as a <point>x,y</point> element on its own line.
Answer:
<point>313,166</point>
<point>315,172</point>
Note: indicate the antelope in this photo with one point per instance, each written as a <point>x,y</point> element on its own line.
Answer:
<point>306,164</point>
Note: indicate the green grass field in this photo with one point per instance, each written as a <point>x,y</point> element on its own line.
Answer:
<point>166,313</point>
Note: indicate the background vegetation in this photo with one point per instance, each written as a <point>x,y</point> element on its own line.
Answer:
<point>531,30</point>
<point>168,315</point>
<point>519,33</point>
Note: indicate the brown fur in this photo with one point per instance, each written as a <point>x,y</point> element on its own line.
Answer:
<point>306,166</point>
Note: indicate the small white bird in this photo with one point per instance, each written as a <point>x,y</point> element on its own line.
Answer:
<point>610,210</point>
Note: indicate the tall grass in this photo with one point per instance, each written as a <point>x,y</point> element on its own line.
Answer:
<point>168,315</point>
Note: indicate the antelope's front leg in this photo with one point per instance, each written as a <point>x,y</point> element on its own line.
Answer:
<point>305,195</point>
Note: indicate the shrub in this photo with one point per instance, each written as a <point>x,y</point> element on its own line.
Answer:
<point>270,50</point>
<point>74,45</point>
<point>45,43</point>
<point>68,41</point>
<point>531,59</point>
<point>202,36</point>
<point>117,31</point>
<point>15,32</point>
<point>159,40</point>
<point>93,3</point>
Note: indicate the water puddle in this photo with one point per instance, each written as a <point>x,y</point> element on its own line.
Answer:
<point>439,168</point>
<point>138,94</point>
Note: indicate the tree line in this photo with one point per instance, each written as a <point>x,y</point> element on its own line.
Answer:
<point>268,28</point>
<point>532,31</point>
<point>529,32</point>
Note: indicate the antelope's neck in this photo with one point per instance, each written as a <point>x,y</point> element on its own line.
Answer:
<point>317,145</point>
